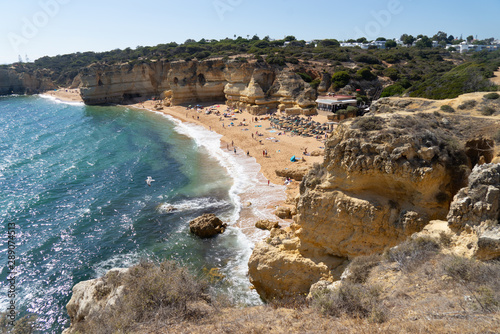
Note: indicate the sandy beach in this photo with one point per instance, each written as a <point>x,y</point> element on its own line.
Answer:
<point>253,138</point>
<point>65,94</point>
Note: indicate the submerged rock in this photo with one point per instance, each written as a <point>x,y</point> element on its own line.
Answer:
<point>207,226</point>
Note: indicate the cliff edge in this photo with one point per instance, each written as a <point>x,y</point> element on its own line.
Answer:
<point>383,178</point>
<point>253,86</point>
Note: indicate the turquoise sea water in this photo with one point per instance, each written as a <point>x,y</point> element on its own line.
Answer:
<point>72,179</point>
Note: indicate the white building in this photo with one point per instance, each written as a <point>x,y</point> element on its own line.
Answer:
<point>335,102</point>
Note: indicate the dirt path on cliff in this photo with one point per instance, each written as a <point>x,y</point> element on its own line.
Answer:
<point>496,78</point>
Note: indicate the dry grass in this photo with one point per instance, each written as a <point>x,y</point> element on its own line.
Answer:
<point>360,268</point>
<point>412,253</point>
<point>413,289</point>
<point>156,295</point>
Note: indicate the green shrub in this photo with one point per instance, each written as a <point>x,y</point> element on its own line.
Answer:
<point>392,90</point>
<point>411,253</point>
<point>491,96</point>
<point>367,59</point>
<point>306,77</point>
<point>447,108</point>
<point>315,83</point>
<point>353,110</point>
<point>276,60</point>
<point>487,111</point>
<point>392,73</point>
<point>366,74</point>
<point>340,79</point>
<point>450,83</point>
<point>466,105</point>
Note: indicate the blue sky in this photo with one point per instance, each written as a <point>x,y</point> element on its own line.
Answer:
<point>50,27</point>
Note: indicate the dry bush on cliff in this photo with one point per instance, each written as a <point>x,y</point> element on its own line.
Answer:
<point>371,123</point>
<point>467,105</point>
<point>410,254</point>
<point>480,279</point>
<point>442,294</point>
<point>354,300</point>
<point>361,266</point>
<point>157,295</point>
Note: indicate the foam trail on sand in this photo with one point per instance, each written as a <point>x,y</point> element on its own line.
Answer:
<point>56,100</point>
<point>251,186</point>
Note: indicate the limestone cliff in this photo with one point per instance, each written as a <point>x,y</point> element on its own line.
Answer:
<point>383,179</point>
<point>256,86</point>
<point>14,81</point>
<point>474,214</point>
<point>91,298</point>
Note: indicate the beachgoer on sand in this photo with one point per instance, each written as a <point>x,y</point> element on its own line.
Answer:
<point>235,150</point>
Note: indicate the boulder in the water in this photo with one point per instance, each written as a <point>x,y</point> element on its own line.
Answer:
<point>207,226</point>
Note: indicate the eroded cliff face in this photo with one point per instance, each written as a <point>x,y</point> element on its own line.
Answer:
<point>383,179</point>
<point>256,86</point>
<point>21,82</point>
<point>474,215</point>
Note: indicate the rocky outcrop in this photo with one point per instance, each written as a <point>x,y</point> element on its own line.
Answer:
<point>19,81</point>
<point>283,212</point>
<point>293,173</point>
<point>382,180</point>
<point>278,270</point>
<point>93,297</point>
<point>256,86</point>
<point>265,224</point>
<point>325,83</point>
<point>207,226</point>
<point>475,213</point>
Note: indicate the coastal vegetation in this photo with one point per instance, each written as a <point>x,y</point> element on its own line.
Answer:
<point>419,71</point>
<point>376,291</point>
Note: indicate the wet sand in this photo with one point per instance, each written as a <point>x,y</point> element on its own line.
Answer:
<point>253,139</point>
<point>280,148</point>
<point>65,94</point>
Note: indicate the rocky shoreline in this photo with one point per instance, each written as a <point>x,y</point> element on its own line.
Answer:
<point>389,176</point>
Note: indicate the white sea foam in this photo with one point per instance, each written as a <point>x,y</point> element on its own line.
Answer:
<point>56,100</point>
<point>249,184</point>
<point>117,261</point>
<point>189,205</point>
<point>244,170</point>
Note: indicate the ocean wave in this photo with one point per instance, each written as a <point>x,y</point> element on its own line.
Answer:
<point>116,261</point>
<point>244,170</point>
<point>191,205</point>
